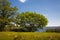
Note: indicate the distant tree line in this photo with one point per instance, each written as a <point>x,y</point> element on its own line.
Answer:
<point>53,30</point>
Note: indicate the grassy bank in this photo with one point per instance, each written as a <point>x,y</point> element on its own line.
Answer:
<point>29,36</point>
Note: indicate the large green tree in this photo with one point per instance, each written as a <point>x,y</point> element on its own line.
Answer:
<point>6,13</point>
<point>30,21</point>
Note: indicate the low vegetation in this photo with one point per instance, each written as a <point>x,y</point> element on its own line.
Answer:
<point>29,36</point>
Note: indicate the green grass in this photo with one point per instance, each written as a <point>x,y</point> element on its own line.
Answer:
<point>29,36</point>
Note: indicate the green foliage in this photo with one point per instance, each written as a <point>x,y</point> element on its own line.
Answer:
<point>28,21</point>
<point>31,20</point>
<point>6,13</point>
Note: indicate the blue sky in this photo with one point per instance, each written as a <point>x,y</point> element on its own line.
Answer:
<point>49,8</point>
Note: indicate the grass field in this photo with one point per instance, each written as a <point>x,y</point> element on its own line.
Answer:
<point>29,36</point>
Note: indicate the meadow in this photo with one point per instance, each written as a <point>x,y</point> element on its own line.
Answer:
<point>29,36</point>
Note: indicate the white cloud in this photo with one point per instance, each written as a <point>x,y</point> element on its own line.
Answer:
<point>22,1</point>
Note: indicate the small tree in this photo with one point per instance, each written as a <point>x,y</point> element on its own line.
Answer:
<point>30,21</point>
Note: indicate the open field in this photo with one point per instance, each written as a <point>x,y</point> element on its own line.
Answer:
<point>29,36</point>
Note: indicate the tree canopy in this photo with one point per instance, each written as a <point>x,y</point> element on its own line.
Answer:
<point>30,21</point>
<point>27,21</point>
<point>6,13</point>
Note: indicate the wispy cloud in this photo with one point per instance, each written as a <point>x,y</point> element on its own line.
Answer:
<point>23,1</point>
